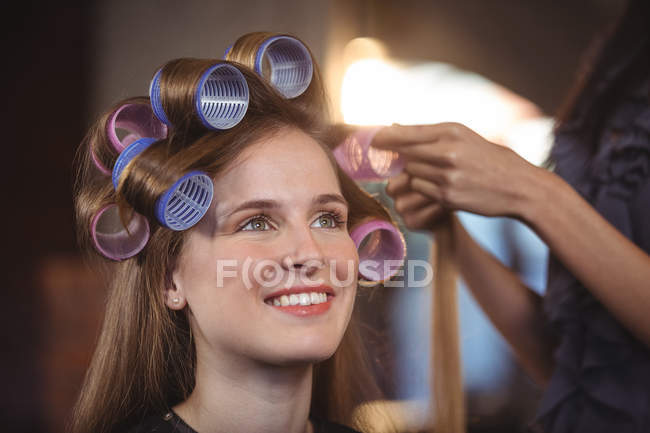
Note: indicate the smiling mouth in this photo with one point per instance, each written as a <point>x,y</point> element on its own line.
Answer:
<point>303,299</point>
<point>301,304</point>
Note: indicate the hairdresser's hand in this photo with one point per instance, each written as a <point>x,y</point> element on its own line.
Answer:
<point>457,169</point>
<point>418,211</point>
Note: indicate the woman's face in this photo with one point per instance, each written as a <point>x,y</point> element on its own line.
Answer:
<point>277,221</point>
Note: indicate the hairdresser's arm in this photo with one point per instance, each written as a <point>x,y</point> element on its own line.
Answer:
<point>514,309</point>
<point>612,267</point>
<point>464,171</point>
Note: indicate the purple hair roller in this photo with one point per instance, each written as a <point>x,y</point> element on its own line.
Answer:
<point>184,203</point>
<point>221,97</point>
<point>377,242</point>
<point>286,63</point>
<point>154,97</point>
<point>115,241</point>
<point>98,163</point>
<point>362,162</point>
<point>225,53</point>
<point>127,124</point>
<point>133,121</point>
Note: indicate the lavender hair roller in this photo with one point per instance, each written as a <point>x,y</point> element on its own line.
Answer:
<point>286,63</point>
<point>377,242</point>
<point>362,162</point>
<point>221,97</point>
<point>115,241</point>
<point>128,123</point>
<point>184,203</point>
<point>135,121</point>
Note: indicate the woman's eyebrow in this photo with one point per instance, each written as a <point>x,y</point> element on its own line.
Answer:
<point>272,204</point>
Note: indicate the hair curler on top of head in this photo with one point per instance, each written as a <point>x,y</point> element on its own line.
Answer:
<point>219,95</point>
<point>284,61</point>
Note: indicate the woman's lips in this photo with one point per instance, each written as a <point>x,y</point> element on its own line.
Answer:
<point>297,290</point>
<point>305,310</point>
<point>302,301</point>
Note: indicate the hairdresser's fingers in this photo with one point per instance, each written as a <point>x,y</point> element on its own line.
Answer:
<point>396,136</point>
<point>398,184</point>
<point>438,175</point>
<point>434,192</point>
<point>426,218</point>
<point>443,144</point>
<point>442,154</point>
<point>411,201</point>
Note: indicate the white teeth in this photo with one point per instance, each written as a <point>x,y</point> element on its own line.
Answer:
<point>298,299</point>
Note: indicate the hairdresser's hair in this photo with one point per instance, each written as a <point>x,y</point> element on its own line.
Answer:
<point>145,358</point>
<point>617,58</point>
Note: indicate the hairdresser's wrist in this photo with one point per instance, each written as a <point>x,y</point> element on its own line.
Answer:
<point>544,191</point>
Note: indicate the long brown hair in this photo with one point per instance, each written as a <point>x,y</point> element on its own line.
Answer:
<point>145,358</point>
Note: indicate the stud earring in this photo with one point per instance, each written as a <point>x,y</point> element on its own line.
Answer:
<point>176,300</point>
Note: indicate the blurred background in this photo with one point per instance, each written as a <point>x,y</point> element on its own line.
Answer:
<point>502,67</point>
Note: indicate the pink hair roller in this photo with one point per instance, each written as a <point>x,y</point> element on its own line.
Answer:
<point>377,242</point>
<point>138,121</point>
<point>127,124</point>
<point>115,241</point>
<point>362,162</point>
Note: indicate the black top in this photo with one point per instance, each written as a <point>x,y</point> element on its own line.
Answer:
<point>172,423</point>
<point>601,381</point>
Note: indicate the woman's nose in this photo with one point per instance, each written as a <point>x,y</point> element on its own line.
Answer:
<point>303,251</point>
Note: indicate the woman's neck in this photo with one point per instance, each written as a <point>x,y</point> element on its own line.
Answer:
<point>247,396</point>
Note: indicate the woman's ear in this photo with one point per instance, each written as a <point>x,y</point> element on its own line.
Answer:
<point>174,294</point>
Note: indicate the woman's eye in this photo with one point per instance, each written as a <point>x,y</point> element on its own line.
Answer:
<point>335,219</point>
<point>328,220</point>
<point>257,223</point>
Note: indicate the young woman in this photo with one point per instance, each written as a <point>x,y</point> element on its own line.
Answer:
<point>198,336</point>
<point>587,340</point>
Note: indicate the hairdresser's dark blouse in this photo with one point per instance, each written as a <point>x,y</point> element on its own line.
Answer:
<point>602,377</point>
<point>172,423</point>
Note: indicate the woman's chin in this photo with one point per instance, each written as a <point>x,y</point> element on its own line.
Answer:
<point>304,354</point>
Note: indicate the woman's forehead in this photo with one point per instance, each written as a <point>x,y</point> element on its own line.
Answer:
<point>285,165</point>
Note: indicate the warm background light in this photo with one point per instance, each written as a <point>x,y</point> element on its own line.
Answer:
<point>379,90</point>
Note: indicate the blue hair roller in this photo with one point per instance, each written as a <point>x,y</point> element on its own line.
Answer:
<point>221,97</point>
<point>225,53</point>
<point>154,95</point>
<point>290,64</point>
<point>184,203</point>
<point>131,151</point>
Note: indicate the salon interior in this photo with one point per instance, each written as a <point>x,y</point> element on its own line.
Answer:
<point>501,67</point>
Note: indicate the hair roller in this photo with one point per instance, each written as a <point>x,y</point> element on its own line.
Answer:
<point>362,162</point>
<point>97,162</point>
<point>282,60</point>
<point>217,97</point>
<point>113,239</point>
<point>180,205</point>
<point>225,53</point>
<point>134,121</point>
<point>286,63</point>
<point>123,125</point>
<point>378,241</point>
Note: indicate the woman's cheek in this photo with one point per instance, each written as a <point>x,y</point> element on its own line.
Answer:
<point>346,267</point>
